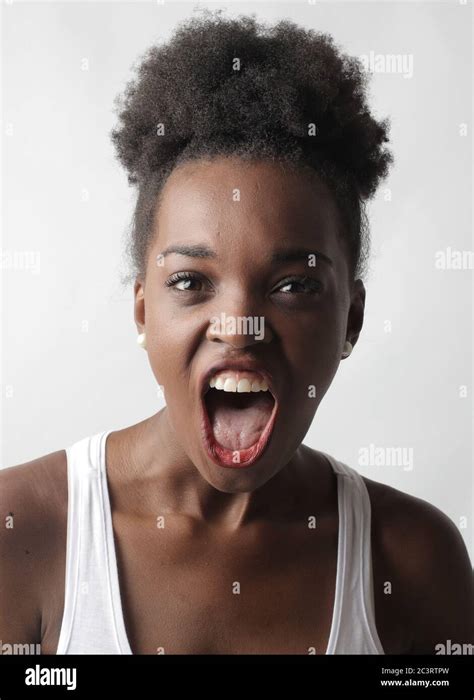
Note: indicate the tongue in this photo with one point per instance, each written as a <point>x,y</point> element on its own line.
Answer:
<point>238,420</point>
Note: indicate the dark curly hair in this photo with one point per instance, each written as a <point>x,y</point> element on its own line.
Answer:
<point>225,86</point>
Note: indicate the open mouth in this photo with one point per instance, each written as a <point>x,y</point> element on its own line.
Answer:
<point>237,426</point>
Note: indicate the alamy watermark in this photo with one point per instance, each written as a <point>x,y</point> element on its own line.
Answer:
<point>238,325</point>
<point>20,260</point>
<point>453,259</point>
<point>51,676</point>
<point>401,63</point>
<point>373,456</point>
<point>450,648</point>
<point>19,649</point>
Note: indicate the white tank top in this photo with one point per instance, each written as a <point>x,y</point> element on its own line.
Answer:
<point>93,621</point>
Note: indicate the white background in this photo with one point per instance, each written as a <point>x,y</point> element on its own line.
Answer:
<point>70,363</point>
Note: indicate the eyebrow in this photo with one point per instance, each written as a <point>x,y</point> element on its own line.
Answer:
<point>190,251</point>
<point>284,255</point>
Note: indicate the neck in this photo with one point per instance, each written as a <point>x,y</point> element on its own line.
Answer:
<point>160,478</point>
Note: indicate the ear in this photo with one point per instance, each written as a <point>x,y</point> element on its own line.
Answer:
<point>139,303</point>
<point>355,317</point>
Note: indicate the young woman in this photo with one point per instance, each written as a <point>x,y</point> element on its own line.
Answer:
<point>210,527</point>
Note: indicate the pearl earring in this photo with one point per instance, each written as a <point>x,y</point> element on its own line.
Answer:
<point>141,340</point>
<point>347,349</point>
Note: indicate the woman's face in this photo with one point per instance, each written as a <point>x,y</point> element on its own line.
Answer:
<point>247,272</point>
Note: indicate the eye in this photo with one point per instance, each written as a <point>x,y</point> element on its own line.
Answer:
<point>185,282</point>
<point>299,285</point>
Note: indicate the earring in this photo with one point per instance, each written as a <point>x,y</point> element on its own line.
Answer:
<point>141,340</point>
<point>347,349</point>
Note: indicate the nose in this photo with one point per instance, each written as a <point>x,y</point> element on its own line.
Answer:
<point>239,328</point>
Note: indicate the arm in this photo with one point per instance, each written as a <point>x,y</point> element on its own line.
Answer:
<point>420,554</point>
<point>20,617</point>
<point>440,596</point>
<point>31,496</point>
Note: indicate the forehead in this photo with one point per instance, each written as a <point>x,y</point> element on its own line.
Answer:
<point>230,201</point>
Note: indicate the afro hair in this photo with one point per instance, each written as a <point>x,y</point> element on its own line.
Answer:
<point>225,86</point>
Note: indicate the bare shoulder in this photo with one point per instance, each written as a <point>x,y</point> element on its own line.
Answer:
<point>424,551</point>
<point>33,512</point>
<point>40,476</point>
<point>413,524</point>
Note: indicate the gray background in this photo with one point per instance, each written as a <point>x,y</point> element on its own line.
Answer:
<point>70,363</point>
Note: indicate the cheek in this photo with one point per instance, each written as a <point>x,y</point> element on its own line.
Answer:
<point>312,349</point>
<point>172,339</point>
<point>166,342</point>
<point>318,359</point>
<point>313,344</point>
<point>167,357</point>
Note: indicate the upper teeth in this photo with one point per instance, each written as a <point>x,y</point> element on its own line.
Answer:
<point>230,381</point>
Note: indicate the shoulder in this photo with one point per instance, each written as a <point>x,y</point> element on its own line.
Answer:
<point>36,489</point>
<point>429,564</point>
<point>422,528</point>
<point>33,511</point>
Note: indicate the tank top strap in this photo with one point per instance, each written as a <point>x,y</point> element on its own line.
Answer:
<point>354,630</point>
<point>89,618</point>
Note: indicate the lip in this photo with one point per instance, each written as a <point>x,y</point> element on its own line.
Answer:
<point>223,456</point>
